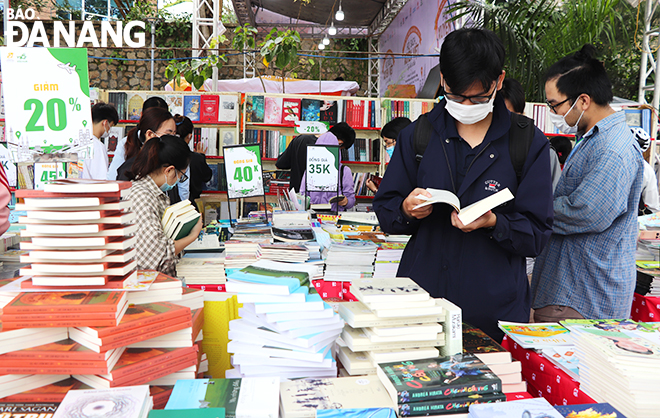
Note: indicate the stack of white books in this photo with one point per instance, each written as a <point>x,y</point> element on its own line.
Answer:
<point>239,254</point>
<point>202,268</point>
<point>388,258</point>
<point>350,260</point>
<point>395,320</point>
<point>132,401</point>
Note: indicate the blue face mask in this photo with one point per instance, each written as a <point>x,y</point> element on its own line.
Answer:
<point>166,187</point>
<point>390,150</point>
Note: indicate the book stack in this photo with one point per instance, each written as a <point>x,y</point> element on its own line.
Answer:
<point>350,260</point>
<point>291,219</point>
<point>78,233</point>
<point>439,385</point>
<point>127,402</point>
<point>388,258</point>
<point>240,254</point>
<point>163,289</point>
<point>285,328</point>
<point>202,268</point>
<point>617,363</point>
<point>491,353</point>
<point>179,219</point>
<point>395,320</point>
<point>284,251</point>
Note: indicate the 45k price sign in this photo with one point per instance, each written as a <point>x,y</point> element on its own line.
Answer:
<point>46,92</point>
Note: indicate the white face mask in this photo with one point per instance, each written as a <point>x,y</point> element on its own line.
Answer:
<point>560,121</point>
<point>105,134</point>
<point>470,114</point>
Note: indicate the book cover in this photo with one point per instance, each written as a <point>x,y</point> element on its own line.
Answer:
<point>536,407</point>
<point>449,406</point>
<point>118,100</point>
<point>537,335</point>
<point>388,290</point>
<point>438,378</point>
<point>477,342</point>
<point>592,410</point>
<point>116,133</point>
<point>191,107</point>
<point>228,136</point>
<point>290,111</point>
<point>135,360</point>
<point>310,110</point>
<point>255,109</point>
<point>65,302</point>
<point>53,392</point>
<point>273,110</point>
<point>356,413</point>
<point>209,104</point>
<point>63,350</point>
<point>328,112</point>
<point>212,184</point>
<point>228,108</point>
<point>174,103</point>
<point>129,400</point>
<point>30,409</point>
<point>135,102</point>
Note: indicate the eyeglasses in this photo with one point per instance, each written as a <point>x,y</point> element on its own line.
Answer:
<point>478,99</point>
<point>554,107</point>
<point>183,177</point>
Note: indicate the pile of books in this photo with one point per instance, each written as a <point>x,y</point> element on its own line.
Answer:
<point>179,219</point>
<point>240,254</point>
<point>395,320</point>
<point>285,328</point>
<point>388,258</point>
<point>130,402</point>
<point>439,385</point>
<point>79,234</point>
<point>202,268</point>
<point>350,260</point>
<point>284,251</point>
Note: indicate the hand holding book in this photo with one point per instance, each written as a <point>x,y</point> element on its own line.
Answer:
<point>413,206</point>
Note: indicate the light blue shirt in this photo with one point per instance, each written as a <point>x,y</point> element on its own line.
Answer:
<point>589,262</point>
<point>184,188</point>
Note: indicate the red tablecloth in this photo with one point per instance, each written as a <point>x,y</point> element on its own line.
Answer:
<point>545,379</point>
<point>645,308</point>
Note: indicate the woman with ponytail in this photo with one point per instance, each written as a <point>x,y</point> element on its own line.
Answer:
<point>158,167</point>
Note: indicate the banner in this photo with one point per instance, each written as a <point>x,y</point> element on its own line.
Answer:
<point>322,168</point>
<point>243,170</point>
<point>46,97</point>
<point>419,28</point>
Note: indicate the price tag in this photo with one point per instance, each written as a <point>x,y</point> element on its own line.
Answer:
<point>45,172</point>
<point>243,171</point>
<point>46,93</point>
<point>322,168</point>
<point>313,128</point>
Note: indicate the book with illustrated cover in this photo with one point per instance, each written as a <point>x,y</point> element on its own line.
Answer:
<point>310,110</point>
<point>292,235</point>
<point>131,401</point>
<point>66,302</point>
<point>536,407</point>
<point>174,103</point>
<point>328,112</point>
<point>448,406</point>
<point>469,213</point>
<point>356,413</point>
<point>290,111</point>
<point>400,289</point>
<point>135,102</point>
<point>209,104</point>
<point>254,106</point>
<point>538,335</point>
<point>437,378</point>
<point>192,107</point>
<point>592,410</point>
<point>273,110</point>
<point>477,342</point>
<point>40,409</point>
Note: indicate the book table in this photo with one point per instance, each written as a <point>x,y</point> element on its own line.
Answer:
<point>545,379</point>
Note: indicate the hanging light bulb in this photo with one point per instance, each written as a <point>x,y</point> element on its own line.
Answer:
<point>326,40</point>
<point>332,30</point>
<point>321,45</point>
<point>340,13</point>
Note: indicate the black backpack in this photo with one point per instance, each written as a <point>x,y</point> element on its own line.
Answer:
<point>521,136</point>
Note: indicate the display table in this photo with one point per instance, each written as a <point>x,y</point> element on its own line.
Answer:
<point>645,308</point>
<point>545,379</point>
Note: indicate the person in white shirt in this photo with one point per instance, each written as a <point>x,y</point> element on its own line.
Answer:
<point>104,117</point>
<point>650,200</point>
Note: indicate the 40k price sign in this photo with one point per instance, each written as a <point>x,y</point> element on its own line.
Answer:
<point>243,170</point>
<point>47,108</point>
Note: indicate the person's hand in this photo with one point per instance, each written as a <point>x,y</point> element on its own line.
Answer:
<point>343,202</point>
<point>371,186</point>
<point>197,228</point>
<point>487,220</point>
<point>200,148</point>
<point>412,200</point>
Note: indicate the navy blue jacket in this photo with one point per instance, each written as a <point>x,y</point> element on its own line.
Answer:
<point>482,271</point>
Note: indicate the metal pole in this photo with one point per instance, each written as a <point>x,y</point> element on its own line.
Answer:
<point>153,45</point>
<point>5,21</point>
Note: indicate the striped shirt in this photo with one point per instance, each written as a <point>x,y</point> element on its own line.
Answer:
<point>589,262</point>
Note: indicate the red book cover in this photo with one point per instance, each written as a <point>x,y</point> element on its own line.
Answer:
<point>65,302</point>
<point>54,368</point>
<point>58,317</point>
<point>163,281</point>
<point>134,360</point>
<point>64,350</point>
<point>7,325</point>
<point>210,105</point>
<point>290,111</point>
<point>139,316</point>
<point>54,392</point>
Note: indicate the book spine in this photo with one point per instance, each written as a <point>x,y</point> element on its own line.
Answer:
<point>170,316</point>
<point>53,370</point>
<point>51,356</point>
<point>431,392</point>
<point>453,328</point>
<point>58,317</point>
<point>58,324</point>
<point>451,406</point>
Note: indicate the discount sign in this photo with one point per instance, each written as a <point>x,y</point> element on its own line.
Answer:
<point>243,170</point>
<point>322,168</point>
<point>47,108</point>
<point>307,127</point>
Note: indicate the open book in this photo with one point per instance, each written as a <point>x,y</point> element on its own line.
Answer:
<point>179,219</point>
<point>469,213</point>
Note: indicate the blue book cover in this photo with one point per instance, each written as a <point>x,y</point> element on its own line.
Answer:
<point>290,282</point>
<point>311,110</point>
<point>592,410</point>
<point>255,109</point>
<point>191,107</point>
<point>356,413</point>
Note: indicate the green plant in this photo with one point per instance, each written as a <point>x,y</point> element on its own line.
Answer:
<point>196,71</point>
<point>280,48</point>
<point>245,40</point>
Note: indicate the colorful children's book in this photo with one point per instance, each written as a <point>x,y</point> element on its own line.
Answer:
<point>592,410</point>
<point>537,336</point>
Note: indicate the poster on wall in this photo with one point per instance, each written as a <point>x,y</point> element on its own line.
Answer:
<point>47,106</point>
<point>419,28</point>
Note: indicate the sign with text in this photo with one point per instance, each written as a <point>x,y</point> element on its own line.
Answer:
<point>322,168</point>
<point>243,170</point>
<point>47,108</point>
<point>314,128</point>
<point>46,172</point>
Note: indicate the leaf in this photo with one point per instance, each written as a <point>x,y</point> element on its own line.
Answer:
<point>198,81</point>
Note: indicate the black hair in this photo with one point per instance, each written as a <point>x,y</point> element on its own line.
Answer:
<point>562,146</point>
<point>470,55</point>
<point>160,152</point>
<point>184,126</point>
<point>104,111</point>
<point>513,91</point>
<point>154,101</point>
<point>150,120</point>
<point>344,132</point>
<point>393,127</point>
<point>582,73</point>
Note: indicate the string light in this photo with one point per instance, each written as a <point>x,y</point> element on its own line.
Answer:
<point>340,13</point>
<point>332,30</point>
<point>326,40</point>
<point>321,46</point>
